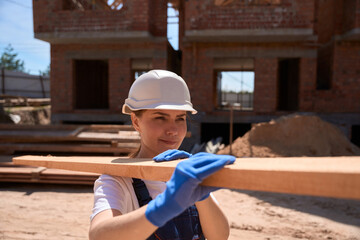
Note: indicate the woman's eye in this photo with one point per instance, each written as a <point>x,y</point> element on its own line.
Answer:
<point>181,119</point>
<point>160,118</point>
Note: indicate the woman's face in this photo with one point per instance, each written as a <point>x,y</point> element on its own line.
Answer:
<point>160,130</point>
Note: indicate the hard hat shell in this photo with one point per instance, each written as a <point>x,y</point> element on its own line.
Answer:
<point>158,89</point>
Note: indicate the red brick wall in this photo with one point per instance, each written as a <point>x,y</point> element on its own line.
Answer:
<point>307,83</point>
<point>204,14</point>
<point>265,92</point>
<point>344,94</point>
<point>61,86</point>
<point>120,72</point>
<point>136,15</point>
<point>346,78</point>
<point>197,58</point>
<point>197,71</point>
<point>158,17</point>
<point>120,78</point>
<point>351,15</point>
<point>325,20</point>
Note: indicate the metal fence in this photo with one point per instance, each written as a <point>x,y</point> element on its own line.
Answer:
<point>24,85</point>
<point>240,100</point>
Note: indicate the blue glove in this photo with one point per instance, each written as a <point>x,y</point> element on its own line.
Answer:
<point>184,189</point>
<point>171,154</point>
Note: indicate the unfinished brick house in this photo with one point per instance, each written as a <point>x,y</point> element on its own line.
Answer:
<point>302,55</point>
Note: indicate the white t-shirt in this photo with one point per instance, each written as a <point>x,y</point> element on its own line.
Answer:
<point>111,192</point>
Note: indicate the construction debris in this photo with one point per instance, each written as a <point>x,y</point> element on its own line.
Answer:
<point>19,101</point>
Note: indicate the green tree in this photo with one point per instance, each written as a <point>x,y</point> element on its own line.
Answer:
<point>9,60</point>
<point>45,73</point>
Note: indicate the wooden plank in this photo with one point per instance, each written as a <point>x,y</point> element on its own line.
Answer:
<point>81,137</point>
<point>322,176</point>
<point>44,175</point>
<point>78,148</point>
<point>52,127</point>
<point>110,128</point>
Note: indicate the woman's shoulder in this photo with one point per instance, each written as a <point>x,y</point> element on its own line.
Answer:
<point>109,179</point>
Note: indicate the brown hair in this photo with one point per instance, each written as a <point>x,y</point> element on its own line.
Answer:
<point>138,114</point>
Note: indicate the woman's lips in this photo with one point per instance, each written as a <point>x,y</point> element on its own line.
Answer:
<point>168,142</point>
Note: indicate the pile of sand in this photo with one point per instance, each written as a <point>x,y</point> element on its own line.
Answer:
<point>293,135</point>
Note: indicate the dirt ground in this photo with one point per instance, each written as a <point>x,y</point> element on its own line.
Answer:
<point>38,211</point>
<point>30,211</point>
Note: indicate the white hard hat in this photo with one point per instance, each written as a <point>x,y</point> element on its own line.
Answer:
<point>158,89</point>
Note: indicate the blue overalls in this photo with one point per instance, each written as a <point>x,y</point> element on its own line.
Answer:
<point>185,226</point>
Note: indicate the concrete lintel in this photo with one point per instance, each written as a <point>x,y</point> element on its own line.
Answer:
<point>290,52</point>
<point>98,37</point>
<point>123,53</point>
<point>352,35</point>
<point>251,35</point>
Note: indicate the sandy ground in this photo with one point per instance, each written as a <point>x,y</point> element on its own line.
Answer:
<point>30,211</point>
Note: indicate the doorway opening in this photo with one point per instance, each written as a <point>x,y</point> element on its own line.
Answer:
<point>91,84</point>
<point>288,84</point>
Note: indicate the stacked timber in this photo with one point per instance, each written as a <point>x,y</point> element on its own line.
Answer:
<point>15,140</point>
<point>13,173</point>
<point>69,139</point>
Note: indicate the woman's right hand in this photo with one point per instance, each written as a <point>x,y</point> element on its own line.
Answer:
<point>184,189</point>
<point>171,154</point>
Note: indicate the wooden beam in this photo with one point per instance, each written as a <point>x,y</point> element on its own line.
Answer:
<point>318,176</point>
<point>68,147</point>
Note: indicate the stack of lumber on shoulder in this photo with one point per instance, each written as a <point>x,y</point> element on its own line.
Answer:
<point>85,139</point>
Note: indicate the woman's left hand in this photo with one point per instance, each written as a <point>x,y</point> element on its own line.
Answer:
<point>172,154</point>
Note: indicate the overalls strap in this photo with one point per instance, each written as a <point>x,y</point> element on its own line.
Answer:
<point>186,226</point>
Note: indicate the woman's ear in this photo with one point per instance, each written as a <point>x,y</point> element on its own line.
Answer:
<point>135,122</point>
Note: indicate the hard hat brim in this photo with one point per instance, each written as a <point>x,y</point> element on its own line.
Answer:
<point>126,109</point>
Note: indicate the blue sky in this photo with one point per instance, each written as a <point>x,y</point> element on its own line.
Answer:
<point>238,81</point>
<point>16,28</point>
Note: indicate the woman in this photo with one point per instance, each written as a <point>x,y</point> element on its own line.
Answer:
<point>181,208</point>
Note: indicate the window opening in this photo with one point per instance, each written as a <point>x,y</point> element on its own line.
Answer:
<point>288,84</point>
<point>173,25</point>
<point>140,66</point>
<point>138,73</point>
<point>236,89</point>
<point>91,84</point>
<point>355,135</point>
<point>324,69</point>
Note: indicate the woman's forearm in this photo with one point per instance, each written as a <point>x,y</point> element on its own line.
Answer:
<point>133,225</point>
<point>213,221</point>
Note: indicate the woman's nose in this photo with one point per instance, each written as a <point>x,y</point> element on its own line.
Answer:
<point>171,130</point>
